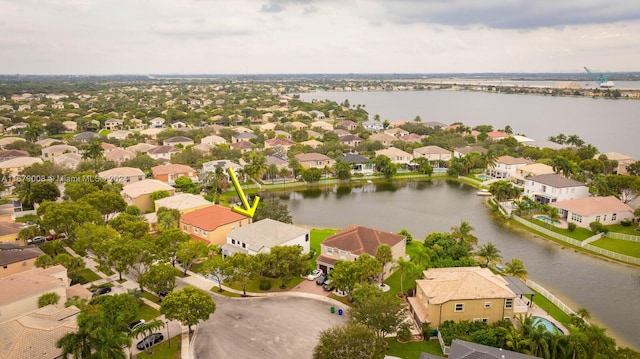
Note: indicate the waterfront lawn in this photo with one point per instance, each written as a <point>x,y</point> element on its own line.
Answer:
<point>412,350</point>
<point>579,234</point>
<point>630,230</point>
<point>551,308</point>
<point>619,246</point>
<point>162,350</point>
<point>318,236</point>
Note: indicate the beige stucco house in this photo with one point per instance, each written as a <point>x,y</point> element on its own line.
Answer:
<point>15,259</point>
<point>582,211</point>
<point>123,175</point>
<point>314,160</point>
<point>139,193</point>
<point>261,236</point>
<point>212,223</point>
<point>56,150</point>
<point>396,155</point>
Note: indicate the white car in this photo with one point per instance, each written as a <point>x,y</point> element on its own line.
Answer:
<point>314,275</point>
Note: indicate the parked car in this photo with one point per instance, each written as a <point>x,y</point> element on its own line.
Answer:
<point>163,293</point>
<point>56,236</point>
<point>328,285</point>
<point>36,240</point>
<point>136,324</point>
<point>150,341</point>
<point>102,290</point>
<point>321,279</point>
<point>314,275</point>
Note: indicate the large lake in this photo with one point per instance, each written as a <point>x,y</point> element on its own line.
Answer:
<point>610,125</point>
<point>610,291</point>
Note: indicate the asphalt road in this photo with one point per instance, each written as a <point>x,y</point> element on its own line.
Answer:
<point>268,327</point>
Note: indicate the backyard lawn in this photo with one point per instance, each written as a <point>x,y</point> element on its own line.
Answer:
<point>579,234</point>
<point>551,308</point>
<point>630,230</point>
<point>412,350</point>
<point>619,246</point>
<point>84,276</point>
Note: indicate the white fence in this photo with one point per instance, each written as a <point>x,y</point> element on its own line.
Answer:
<point>624,237</point>
<point>584,244</point>
<point>552,298</point>
<point>445,349</point>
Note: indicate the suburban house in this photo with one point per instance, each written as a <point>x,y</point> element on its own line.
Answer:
<point>9,232</point>
<point>11,154</point>
<point>86,136</point>
<point>354,241</point>
<point>461,349</point>
<point>106,147</point>
<point>297,125</point>
<point>183,202</point>
<point>122,175</point>
<point>347,125</point>
<point>279,162</point>
<point>314,160</point>
<point>432,153</point>
<point>120,134</point>
<point>156,122</point>
<point>56,150</point>
<point>506,166</point>
<point>351,140</point>
<point>322,125</point>
<point>15,259</point>
<point>623,161</point>
<point>139,193</point>
<point>48,142</point>
<point>554,188</point>
<point>396,132</point>
<point>463,293</point>
<point>15,165</point>
<point>312,143</point>
<point>261,236</point>
<point>9,140</point>
<point>213,140</point>
<point>582,211</point>
<point>359,164</point>
<point>497,135</point>
<point>463,151</point>
<point>534,169</point>
<point>141,147</point>
<point>113,124</point>
<point>162,153</point>
<point>383,138</point>
<point>243,137</point>
<point>242,146</point>
<point>178,141</point>
<point>373,126</point>
<point>119,155</point>
<point>71,126</point>
<point>68,160</point>
<point>212,224</point>
<point>211,166</point>
<point>411,138</point>
<point>168,173</point>
<point>340,132</point>
<point>396,155</point>
<point>279,142</point>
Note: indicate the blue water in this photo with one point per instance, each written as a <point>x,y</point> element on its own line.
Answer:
<point>550,327</point>
<point>484,177</point>
<point>546,219</point>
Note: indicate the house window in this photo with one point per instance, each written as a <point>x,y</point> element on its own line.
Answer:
<point>5,267</point>
<point>196,230</point>
<point>508,303</point>
<point>244,245</point>
<point>604,219</point>
<point>487,305</point>
<point>597,218</point>
<point>329,250</point>
<point>233,241</point>
<point>613,217</point>
<point>204,233</point>
<point>306,237</point>
<point>576,217</point>
<point>459,307</point>
<point>485,320</point>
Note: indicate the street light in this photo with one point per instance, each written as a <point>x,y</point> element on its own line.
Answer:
<point>168,335</point>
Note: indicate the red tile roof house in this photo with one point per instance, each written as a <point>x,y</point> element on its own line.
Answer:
<point>212,224</point>
<point>169,173</point>
<point>353,241</point>
<point>278,141</point>
<point>582,211</point>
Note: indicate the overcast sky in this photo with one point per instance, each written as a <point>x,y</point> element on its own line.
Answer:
<point>317,36</point>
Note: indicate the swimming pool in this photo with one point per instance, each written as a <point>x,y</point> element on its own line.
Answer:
<point>548,326</point>
<point>546,219</point>
<point>484,177</point>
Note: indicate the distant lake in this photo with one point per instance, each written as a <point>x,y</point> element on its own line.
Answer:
<point>610,125</point>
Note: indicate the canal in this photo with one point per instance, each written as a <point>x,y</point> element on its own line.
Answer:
<point>610,291</point>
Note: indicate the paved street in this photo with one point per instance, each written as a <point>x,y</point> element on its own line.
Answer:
<point>268,327</point>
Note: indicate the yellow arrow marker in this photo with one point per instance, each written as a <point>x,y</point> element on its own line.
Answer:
<point>247,210</point>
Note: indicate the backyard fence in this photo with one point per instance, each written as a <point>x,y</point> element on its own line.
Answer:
<point>445,349</point>
<point>552,298</point>
<point>624,237</point>
<point>584,244</point>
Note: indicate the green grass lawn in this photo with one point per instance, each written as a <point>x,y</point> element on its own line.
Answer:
<point>579,234</point>
<point>162,350</point>
<point>85,276</point>
<point>551,308</point>
<point>631,230</point>
<point>147,313</point>
<point>254,285</point>
<point>317,237</point>
<point>412,350</point>
<point>150,296</point>
<point>619,246</point>
<point>226,293</point>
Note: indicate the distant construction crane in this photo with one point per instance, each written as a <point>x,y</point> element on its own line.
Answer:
<point>601,80</point>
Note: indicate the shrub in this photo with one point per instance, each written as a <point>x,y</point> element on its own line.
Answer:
<point>571,226</point>
<point>625,223</point>
<point>597,227</point>
<point>265,284</point>
<point>404,332</point>
<point>427,332</point>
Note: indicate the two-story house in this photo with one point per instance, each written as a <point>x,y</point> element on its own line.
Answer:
<point>314,160</point>
<point>505,166</point>
<point>56,150</point>
<point>396,155</point>
<point>123,175</point>
<point>170,172</point>
<point>354,241</point>
<point>433,153</point>
<point>261,236</point>
<point>212,224</point>
<point>554,188</point>
<point>139,193</point>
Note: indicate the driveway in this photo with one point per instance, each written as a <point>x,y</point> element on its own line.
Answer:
<point>310,286</point>
<point>267,327</point>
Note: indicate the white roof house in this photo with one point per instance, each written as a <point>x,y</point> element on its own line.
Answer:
<point>433,153</point>
<point>122,175</point>
<point>396,155</point>
<point>261,236</point>
<point>553,187</point>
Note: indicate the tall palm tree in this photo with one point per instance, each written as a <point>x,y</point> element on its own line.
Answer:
<point>598,344</point>
<point>147,329</point>
<point>490,253</point>
<point>94,151</point>
<point>408,269</point>
<point>515,267</point>
<point>384,256</point>
<point>75,345</point>
<point>25,193</point>
<point>462,233</point>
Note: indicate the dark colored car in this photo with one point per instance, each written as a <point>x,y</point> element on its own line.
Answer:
<point>321,279</point>
<point>163,293</point>
<point>150,341</point>
<point>101,290</point>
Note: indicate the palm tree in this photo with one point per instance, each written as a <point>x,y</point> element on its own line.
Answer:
<point>490,253</point>
<point>515,267</point>
<point>463,233</point>
<point>384,256</point>
<point>75,345</point>
<point>147,329</point>
<point>406,268</point>
<point>109,343</point>
<point>25,193</point>
<point>598,344</point>
<point>272,171</point>
<point>94,151</point>
<point>32,132</point>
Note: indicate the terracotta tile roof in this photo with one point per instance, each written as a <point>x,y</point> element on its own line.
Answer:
<point>210,218</point>
<point>163,149</point>
<point>441,285</point>
<point>592,206</point>
<point>171,169</point>
<point>305,157</point>
<point>279,141</point>
<point>359,240</point>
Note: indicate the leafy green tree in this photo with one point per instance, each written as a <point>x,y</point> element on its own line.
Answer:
<point>44,261</point>
<point>65,217</point>
<point>105,202</point>
<point>273,209</point>
<point>217,267</point>
<point>143,162</point>
<point>189,252</point>
<point>158,278</point>
<point>186,185</point>
<point>77,190</point>
<point>74,265</point>
<point>288,262</point>
<point>188,305</point>
<point>342,170</point>
<point>408,270</point>
<point>312,175</point>
<point>406,233</point>
<point>128,225</point>
<point>244,270</point>
<point>94,151</point>
<point>44,191</point>
<point>423,165</point>
<point>382,313</point>
<point>352,340</point>
<point>167,242</point>
<point>148,328</point>
<point>384,165</point>
<point>51,298</point>
<point>159,195</point>
<point>121,255</point>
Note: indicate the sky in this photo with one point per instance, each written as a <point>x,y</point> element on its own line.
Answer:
<point>317,36</point>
